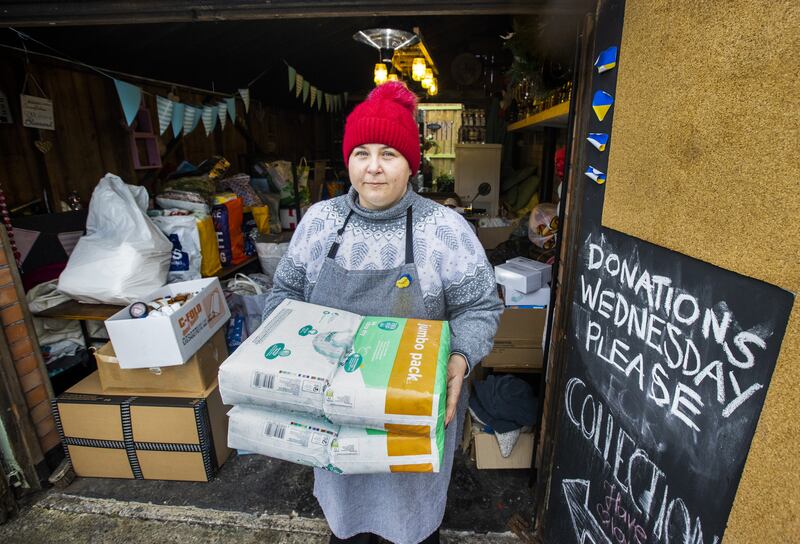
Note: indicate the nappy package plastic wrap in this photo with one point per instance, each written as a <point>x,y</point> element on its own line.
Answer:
<point>289,436</point>
<point>396,374</point>
<point>290,359</point>
<point>372,390</point>
<point>316,442</point>
<point>367,451</point>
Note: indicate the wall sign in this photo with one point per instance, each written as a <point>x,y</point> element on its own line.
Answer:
<point>37,112</point>
<point>669,365</point>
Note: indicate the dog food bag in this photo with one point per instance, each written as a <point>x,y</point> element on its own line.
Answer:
<point>367,451</point>
<point>289,436</point>
<point>396,375</point>
<point>287,363</point>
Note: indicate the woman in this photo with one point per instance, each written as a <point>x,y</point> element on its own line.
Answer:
<point>384,250</point>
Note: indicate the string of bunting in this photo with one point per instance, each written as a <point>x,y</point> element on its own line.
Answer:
<point>313,95</point>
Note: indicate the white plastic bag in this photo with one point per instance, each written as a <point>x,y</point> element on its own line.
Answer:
<point>181,230</point>
<point>269,255</point>
<point>287,363</point>
<point>291,437</point>
<point>123,256</point>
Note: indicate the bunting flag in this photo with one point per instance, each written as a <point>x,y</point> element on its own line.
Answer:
<point>599,140</point>
<point>130,96</point>
<point>209,118</point>
<point>606,60</point>
<point>596,175</point>
<point>601,103</point>
<point>292,78</point>
<point>327,102</point>
<point>222,113</point>
<point>319,100</point>
<point>306,88</point>
<point>231,102</point>
<point>298,85</point>
<point>313,94</point>
<point>191,116</point>
<point>245,94</point>
<point>345,99</point>
<point>165,107</point>
<point>177,118</point>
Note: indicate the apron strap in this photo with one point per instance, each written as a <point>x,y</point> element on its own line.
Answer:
<point>335,246</point>
<point>409,237</point>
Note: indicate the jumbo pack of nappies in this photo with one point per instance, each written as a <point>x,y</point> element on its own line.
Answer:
<point>395,377</point>
<point>289,436</point>
<point>290,359</point>
<point>367,451</point>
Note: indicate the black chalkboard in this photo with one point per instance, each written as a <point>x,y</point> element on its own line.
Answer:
<point>670,359</point>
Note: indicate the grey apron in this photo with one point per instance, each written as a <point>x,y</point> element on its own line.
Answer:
<point>402,508</point>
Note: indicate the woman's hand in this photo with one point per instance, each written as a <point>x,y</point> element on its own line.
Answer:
<point>456,370</point>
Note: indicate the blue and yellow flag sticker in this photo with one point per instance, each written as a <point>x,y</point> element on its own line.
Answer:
<point>596,175</point>
<point>601,103</point>
<point>404,281</point>
<point>599,140</point>
<point>606,60</point>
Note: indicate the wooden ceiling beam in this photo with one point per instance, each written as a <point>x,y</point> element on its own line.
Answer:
<point>100,12</point>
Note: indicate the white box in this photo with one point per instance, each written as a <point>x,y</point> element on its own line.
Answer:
<point>157,341</point>
<point>537,299</point>
<point>544,269</point>
<point>518,277</point>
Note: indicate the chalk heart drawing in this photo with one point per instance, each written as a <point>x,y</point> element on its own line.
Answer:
<point>43,146</point>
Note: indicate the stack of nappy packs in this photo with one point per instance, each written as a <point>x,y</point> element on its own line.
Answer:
<point>335,390</point>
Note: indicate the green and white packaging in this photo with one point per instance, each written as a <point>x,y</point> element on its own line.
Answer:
<point>367,451</point>
<point>289,436</point>
<point>394,379</point>
<point>290,359</point>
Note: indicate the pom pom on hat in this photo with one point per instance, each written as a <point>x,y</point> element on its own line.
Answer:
<point>386,117</point>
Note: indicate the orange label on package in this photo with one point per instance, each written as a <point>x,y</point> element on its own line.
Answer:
<point>421,467</point>
<point>413,377</point>
<point>408,440</point>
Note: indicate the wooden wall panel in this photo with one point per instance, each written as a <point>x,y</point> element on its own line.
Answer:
<point>92,139</point>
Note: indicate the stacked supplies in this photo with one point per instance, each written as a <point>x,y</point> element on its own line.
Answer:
<point>336,390</point>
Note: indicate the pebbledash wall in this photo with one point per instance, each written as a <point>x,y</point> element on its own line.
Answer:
<point>703,162</point>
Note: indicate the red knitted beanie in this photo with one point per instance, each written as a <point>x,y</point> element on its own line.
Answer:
<point>388,117</point>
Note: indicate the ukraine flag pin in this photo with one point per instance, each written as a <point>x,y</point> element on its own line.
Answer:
<point>606,60</point>
<point>404,281</point>
<point>601,103</point>
<point>599,140</point>
<point>595,174</point>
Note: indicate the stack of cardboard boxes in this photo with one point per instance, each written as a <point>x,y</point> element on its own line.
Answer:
<point>153,410</point>
<point>518,347</point>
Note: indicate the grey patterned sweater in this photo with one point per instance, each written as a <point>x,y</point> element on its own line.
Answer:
<point>457,281</point>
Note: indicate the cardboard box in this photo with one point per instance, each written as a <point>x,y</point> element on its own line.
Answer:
<point>194,376</point>
<point>491,237</point>
<point>518,277</point>
<point>113,434</point>
<point>168,341</point>
<point>537,299</point>
<point>519,340</point>
<point>545,270</point>
<point>487,452</point>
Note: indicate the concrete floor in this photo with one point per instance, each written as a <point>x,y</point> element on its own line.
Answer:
<point>252,499</point>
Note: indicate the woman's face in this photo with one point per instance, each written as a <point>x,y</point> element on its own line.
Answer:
<point>380,175</point>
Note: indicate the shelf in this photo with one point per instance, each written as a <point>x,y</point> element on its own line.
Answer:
<point>230,270</point>
<point>442,156</point>
<point>551,117</point>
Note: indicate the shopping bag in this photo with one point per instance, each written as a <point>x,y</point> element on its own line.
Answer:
<point>209,249</point>
<point>228,224</point>
<point>182,231</point>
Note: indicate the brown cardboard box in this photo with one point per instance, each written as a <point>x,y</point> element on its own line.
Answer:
<point>491,237</point>
<point>170,436</point>
<point>487,452</point>
<point>193,376</point>
<point>518,342</point>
